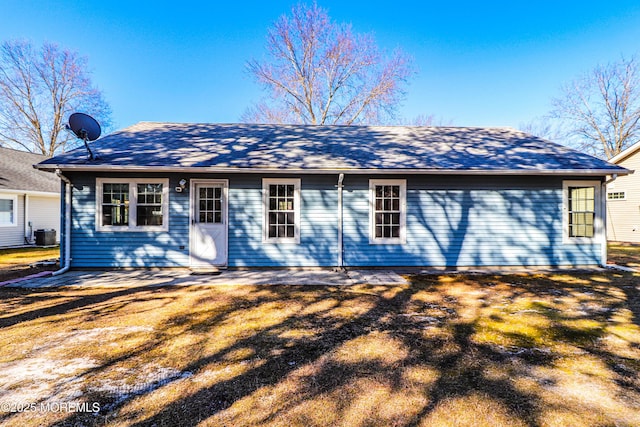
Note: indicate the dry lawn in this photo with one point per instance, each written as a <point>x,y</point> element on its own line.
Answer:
<point>624,254</point>
<point>515,350</point>
<point>16,262</point>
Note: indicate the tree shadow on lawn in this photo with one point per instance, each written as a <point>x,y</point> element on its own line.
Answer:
<point>371,355</point>
<point>283,356</point>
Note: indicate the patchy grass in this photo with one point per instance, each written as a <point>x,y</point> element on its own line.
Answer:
<point>16,262</point>
<point>514,350</point>
<point>624,254</point>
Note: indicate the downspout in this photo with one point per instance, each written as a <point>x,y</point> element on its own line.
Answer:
<point>67,224</point>
<point>340,248</point>
<point>25,216</point>
<point>603,209</point>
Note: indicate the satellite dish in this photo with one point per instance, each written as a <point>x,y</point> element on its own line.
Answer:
<point>84,127</point>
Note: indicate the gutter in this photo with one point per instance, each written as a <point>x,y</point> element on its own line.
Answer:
<point>319,171</point>
<point>67,224</point>
<point>340,220</point>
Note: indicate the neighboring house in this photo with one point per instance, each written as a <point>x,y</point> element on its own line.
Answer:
<point>245,195</point>
<point>623,198</point>
<point>29,198</point>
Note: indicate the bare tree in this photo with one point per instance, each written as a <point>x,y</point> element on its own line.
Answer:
<point>427,120</point>
<point>39,89</point>
<point>320,72</point>
<point>601,110</point>
<point>542,127</point>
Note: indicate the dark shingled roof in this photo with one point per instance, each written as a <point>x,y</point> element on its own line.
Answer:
<point>17,172</point>
<point>241,147</point>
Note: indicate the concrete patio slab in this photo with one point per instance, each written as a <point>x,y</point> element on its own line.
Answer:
<point>141,278</point>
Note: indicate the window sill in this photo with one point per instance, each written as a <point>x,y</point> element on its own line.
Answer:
<point>282,241</point>
<point>387,241</point>
<point>580,241</point>
<point>130,229</point>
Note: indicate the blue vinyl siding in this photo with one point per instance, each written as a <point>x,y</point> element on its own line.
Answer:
<point>127,249</point>
<point>451,221</point>
<point>318,225</point>
<point>468,221</point>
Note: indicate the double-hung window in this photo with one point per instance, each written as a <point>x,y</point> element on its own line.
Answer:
<point>132,204</point>
<point>387,211</point>
<point>281,205</point>
<point>8,210</point>
<point>581,210</point>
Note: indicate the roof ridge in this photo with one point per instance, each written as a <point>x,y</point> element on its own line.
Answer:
<point>307,125</point>
<point>23,151</point>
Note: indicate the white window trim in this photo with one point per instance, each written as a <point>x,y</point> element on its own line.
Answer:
<point>13,197</point>
<point>616,191</point>
<point>133,204</point>
<point>598,228</point>
<point>266,182</point>
<point>403,212</point>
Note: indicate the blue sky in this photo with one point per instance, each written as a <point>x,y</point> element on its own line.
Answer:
<point>479,63</point>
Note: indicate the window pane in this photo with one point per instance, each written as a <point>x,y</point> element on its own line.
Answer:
<point>281,211</point>
<point>6,211</point>
<point>581,211</point>
<point>218,217</point>
<point>115,215</point>
<point>387,211</point>
<point>115,204</point>
<point>149,215</point>
<point>149,209</point>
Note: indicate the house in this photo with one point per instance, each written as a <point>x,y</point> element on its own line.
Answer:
<point>29,198</point>
<point>250,195</point>
<point>623,199</point>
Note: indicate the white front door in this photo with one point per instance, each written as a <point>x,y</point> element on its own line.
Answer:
<point>208,238</point>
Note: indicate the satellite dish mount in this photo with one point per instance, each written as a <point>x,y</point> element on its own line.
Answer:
<point>85,128</point>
